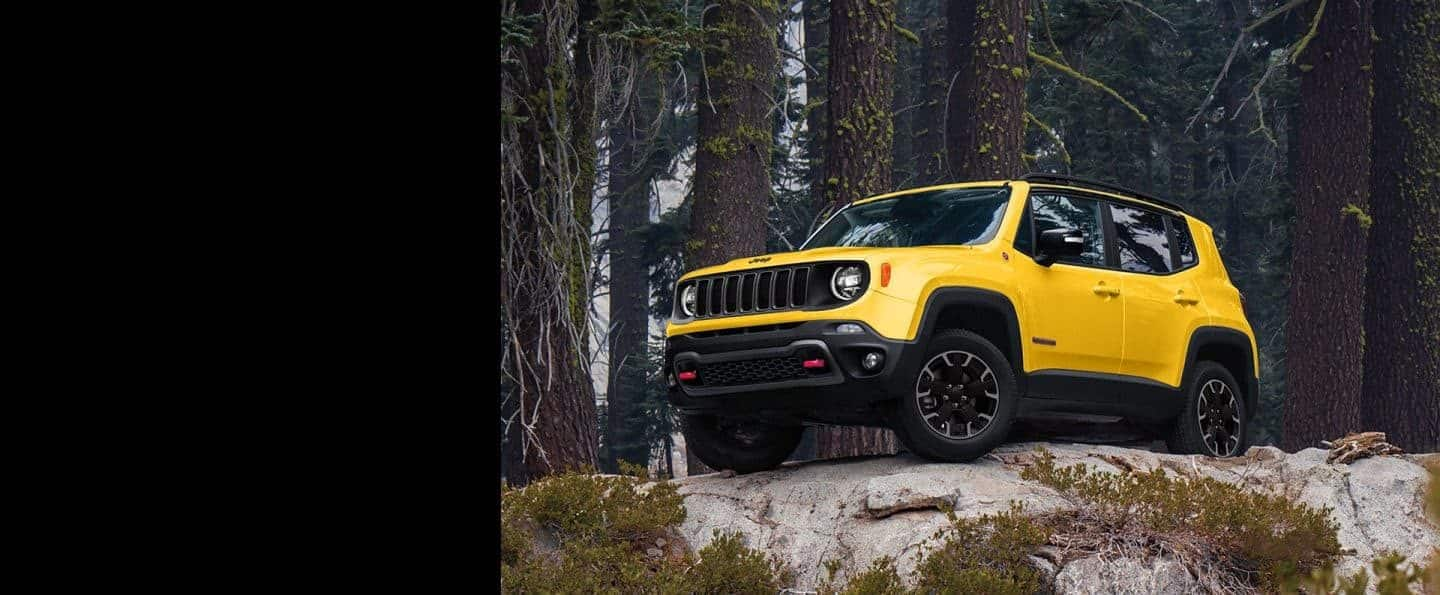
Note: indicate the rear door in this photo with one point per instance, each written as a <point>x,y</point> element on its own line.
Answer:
<point>1162,300</point>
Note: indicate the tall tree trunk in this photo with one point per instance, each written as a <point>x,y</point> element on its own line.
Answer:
<point>934,80</point>
<point>857,164</point>
<point>862,84</point>
<point>986,138</point>
<point>732,156</point>
<point>1402,284</point>
<point>629,199</point>
<point>960,83</point>
<point>637,159</point>
<point>817,52</point>
<point>548,399</point>
<point>1325,335</point>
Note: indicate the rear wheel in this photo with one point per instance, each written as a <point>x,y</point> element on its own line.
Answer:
<point>742,446</point>
<point>964,399</point>
<point>1214,421</point>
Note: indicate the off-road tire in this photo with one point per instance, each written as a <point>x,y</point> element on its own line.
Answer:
<point>917,434</point>
<point>744,447</point>
<point>1187,436</point>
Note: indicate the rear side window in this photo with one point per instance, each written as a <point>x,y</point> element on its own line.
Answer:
<point>1141,240</point>
<point>1184,243</point>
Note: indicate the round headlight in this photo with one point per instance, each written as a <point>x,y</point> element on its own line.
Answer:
<point>846,281</point>
<point>687,300</point>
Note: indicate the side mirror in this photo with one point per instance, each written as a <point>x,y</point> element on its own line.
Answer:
<point>1058,243</point>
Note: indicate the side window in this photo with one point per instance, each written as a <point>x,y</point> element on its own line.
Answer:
<point>1025,234</point>
<point>1141,239</point>
<point>1184,243</point>
<point>1052,211</point>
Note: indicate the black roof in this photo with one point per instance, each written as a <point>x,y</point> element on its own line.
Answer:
<point>1097,185</point>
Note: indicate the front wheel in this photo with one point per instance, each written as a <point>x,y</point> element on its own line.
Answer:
<point>963,401</point>
<point>742,446</point>
<point>1214,421</point>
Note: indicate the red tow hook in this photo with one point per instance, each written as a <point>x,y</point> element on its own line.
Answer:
<point>812,364</point>
<point>687,375</point>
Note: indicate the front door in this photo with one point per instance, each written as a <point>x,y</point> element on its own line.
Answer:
<point>1073,307</point>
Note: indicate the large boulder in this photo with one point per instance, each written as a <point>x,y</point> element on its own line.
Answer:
<point>856,510</point>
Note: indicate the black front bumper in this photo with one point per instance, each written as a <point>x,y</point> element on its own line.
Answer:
<point>842,392</point>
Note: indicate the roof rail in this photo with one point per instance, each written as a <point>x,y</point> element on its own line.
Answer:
<point>1097,185</point>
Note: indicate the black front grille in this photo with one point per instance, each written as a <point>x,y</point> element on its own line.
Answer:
<point>753,371</point>
<point>764,290</point>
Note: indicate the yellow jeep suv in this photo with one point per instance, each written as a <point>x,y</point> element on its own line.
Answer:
<point>945,313</point>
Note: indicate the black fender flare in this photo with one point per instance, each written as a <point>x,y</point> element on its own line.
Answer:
<point>945,297</point>
<point>1205,336</point>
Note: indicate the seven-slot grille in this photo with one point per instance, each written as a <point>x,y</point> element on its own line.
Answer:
<point>762,290</point>
<point>754,371</point>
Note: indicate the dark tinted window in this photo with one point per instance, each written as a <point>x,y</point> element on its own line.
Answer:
<point>1051,211</point>
<point>1140,236</point>
<point>940,217</point>
<point>1184,244</point>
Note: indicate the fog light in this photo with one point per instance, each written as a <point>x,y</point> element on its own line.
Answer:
<point>872,361</point>
<point>849,329</point>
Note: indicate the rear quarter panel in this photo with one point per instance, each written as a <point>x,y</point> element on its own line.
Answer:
<point>1220,297</point>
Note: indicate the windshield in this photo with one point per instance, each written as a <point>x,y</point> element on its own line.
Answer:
<point>940,217</point>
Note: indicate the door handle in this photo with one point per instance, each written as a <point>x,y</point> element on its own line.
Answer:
<point>1181,299</point>
<point>1103,289</point>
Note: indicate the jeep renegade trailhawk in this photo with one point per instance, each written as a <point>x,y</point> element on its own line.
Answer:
<point>944,313</point>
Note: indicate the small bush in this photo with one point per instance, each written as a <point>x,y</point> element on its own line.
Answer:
<point>580,533</point>
<point>727,566</point>
<point>880,578</point>
<point>1231,537</point>
<point>989,554</point>
<point>976,556</point>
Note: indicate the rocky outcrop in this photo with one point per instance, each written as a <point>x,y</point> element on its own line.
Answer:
<point>856,510</point>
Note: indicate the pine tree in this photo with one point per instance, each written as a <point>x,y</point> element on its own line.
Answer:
<point>548,403</point>
<point>1325,335</point>
<point>989,40</point>
<point>1402,286</point>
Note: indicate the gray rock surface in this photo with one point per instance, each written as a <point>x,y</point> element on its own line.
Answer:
<point>856,510</point>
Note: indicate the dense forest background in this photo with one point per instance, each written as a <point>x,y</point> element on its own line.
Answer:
<point>643,138</point>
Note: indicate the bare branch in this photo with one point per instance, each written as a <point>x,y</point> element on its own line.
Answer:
<point>1274,13</point>
<point>1041,58</point>
<point>1234,49</point>
<point>1152,13</point>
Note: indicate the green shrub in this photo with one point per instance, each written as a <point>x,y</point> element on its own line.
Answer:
<point>727,566</point>
<point>989,554</point>
<point>880,578</point>
<point>1237,536</point>
<point>580,533</point>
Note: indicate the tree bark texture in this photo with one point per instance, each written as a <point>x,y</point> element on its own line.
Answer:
<point>732,159</point>
<point>1402,285</point>
<point>548,403</point>
<point>958,102</point>
<point>732,156</point>
<point>929,136</point>
<point>986,130</point>
<point>836,441</point>
<point>1324,337</point>
<point>817,51</point>
<point>861,90</point>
